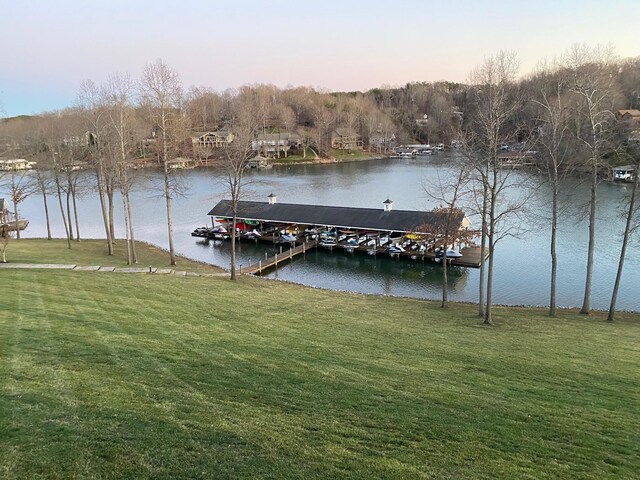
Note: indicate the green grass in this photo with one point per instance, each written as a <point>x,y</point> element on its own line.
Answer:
<point>137,376</point>
<point>94,252</point>
<point>344,155</point>
<point>297,158</point>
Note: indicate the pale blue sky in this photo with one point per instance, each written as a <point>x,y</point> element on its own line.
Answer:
<point>48,47</point>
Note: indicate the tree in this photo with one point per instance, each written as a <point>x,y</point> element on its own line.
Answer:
<point>631,212</point>
<point>553,142</point>
<point>496,100</point>
<point>5,238</point>
<point>20,188</point>
<point>593,85</point>
<point>237,154</point>
<point>90,101</point>
<point>161,91</point>
<point>449,194</point>
<point>117,98</point>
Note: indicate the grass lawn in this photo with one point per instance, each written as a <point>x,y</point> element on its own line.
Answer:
<point>94,252</point>
<point>344,155</point>
<point>311,155</point>
<point>144,376</point>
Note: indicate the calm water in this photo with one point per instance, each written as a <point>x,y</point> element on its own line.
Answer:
<point>522,264</point>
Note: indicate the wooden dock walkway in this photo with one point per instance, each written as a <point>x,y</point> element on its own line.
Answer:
<point>271,262</point>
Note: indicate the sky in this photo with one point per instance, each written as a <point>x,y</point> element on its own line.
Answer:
<point>48,47</point>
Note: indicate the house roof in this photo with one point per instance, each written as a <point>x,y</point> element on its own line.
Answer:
<point>345,132</point>
<point>277,136</point>
<point>342,217</point>
<point>625,167</point>
<point>219,133</point>
<point>632,112</point>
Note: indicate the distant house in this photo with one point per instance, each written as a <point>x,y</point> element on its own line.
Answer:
<point>381,142</point>
<point>346,139</point>
<point>273,144</point>
<point>74,166</point>
<point>180,163</point>
<point>258,162</point>
<point>13,165</point>
<point>217,139</point>
<point>424,121</point>
<point>624,173</point>
<point>629,121</point>
<point>630,117</point>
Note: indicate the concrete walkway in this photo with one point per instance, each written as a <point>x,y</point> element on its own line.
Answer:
<point>97,268</point>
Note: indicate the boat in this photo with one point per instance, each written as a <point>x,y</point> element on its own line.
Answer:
<point>288,238</point>
<point>328,243</point>
<point>252,234</point>
<point>201,232</point>
<point>395,249</point>
<point>219,233</point>
<point>451,253</point>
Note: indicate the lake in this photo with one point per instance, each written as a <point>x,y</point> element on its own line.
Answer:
<point>522,265</point>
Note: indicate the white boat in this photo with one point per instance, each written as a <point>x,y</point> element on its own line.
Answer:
<point>395,249</point>
<point>253,234</point>
<point>288,238</point>
<point>451,253</point>
<point>327,243</point>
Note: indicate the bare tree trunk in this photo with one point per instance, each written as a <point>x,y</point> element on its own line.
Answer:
<point>167,196</point>
<point>126,229</point>
<point>134,255</point>
<point>64,219</point>
<point>103,207</point>
<point>46,207</point>
<point>554,256</point>
<point>68,195</point>
<point>75,211</point>
<point>586,304</point>
<point>111,206</point>
<point>17,215</point>
<point>623,251</point>
<point>445,279</point>
<point>483,245</point>
<point>492,229</point>
<point>233,245</point>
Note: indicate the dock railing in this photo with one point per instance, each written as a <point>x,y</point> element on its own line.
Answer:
<point>272,262</point>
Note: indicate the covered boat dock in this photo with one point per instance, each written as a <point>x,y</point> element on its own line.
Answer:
<point>397,233</point>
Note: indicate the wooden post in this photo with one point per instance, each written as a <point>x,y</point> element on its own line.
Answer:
<point>240,269</point>
<point>276,260</point>
<point>259,267</point>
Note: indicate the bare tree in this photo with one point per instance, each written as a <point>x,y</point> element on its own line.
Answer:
<point>495,102</point>
<point>593,84</point>
<point>118,93</point>
<point>237,154</point>
<point>448,194</point>
<point>90,100</point>
<point>161,90</point>
<point>629,228</point>
<point>20,187</point>
<point>5,237</point>
<point>553,142</point>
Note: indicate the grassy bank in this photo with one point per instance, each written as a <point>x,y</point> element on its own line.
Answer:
<point>112,376</point>
<point>94,252</point>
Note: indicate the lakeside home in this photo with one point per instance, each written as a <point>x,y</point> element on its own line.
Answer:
<point>16,164</point>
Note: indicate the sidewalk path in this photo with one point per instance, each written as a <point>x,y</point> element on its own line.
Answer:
<point>96,268</point>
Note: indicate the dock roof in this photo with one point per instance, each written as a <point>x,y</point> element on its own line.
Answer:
<point>341,217</point>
